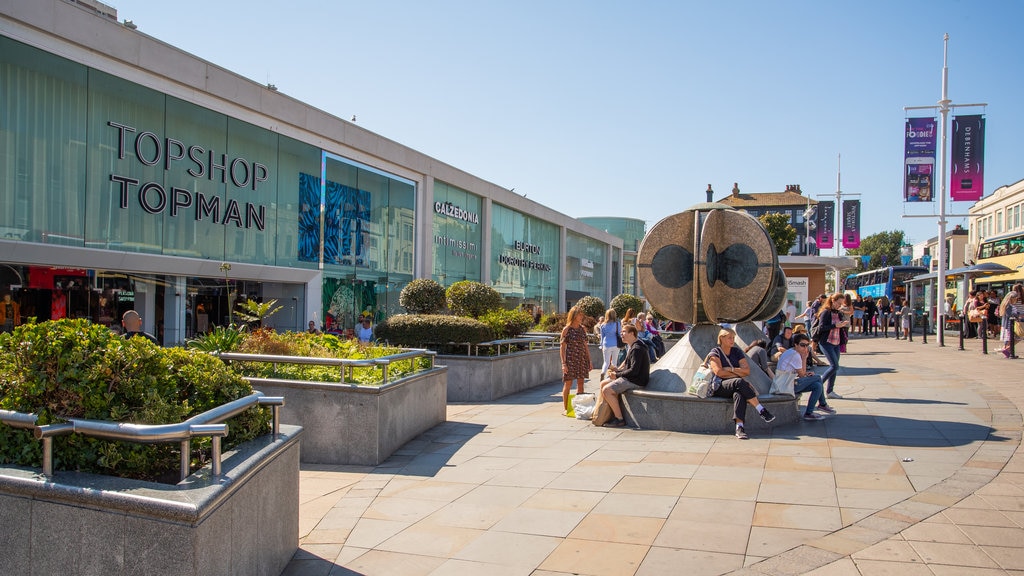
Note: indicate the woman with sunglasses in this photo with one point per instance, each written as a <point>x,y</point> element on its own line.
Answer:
<point>829,335</point>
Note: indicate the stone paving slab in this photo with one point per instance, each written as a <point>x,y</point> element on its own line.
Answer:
<point>920,472</point>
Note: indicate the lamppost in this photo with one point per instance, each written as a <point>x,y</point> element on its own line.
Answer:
<point>225,268</point>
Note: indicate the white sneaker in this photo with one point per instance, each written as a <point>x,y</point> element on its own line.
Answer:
<point>834,395</point>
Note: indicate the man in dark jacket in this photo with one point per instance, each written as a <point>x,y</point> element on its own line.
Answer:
<point>634,372</point>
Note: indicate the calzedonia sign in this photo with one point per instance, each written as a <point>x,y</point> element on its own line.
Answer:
<point>520,246</point>
<point>197,162</point>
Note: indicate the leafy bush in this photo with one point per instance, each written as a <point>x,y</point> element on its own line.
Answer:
<point>220,339</point>
<point>591,306</point>
<point>508,323</point>
<point>624,302</point>
<point>473,299</point>
<point>423,330</point>
<point>422,296</point>
<point>555,323</point>
<point>75,369</point>
<point>319,346</point>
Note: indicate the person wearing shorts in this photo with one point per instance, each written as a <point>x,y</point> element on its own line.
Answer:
<point>634,372</point>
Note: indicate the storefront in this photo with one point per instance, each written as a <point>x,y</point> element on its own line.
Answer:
<point>125,186</point>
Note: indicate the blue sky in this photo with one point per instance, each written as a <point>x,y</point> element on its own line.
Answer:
<point>600,108</point>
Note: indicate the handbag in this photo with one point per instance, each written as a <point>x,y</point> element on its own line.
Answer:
<point>974,315</point>
<point>602,411</point>
<point>618,336</point>
<point>583,406</point>
<point>784,383</point>
<point>700,384</point>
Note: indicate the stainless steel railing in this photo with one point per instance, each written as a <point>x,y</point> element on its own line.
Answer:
<point>209,423</point>
<point>347,364</point>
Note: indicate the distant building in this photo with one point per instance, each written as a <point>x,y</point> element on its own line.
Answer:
<point>791,202</point>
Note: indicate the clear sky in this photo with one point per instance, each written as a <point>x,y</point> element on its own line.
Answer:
<point>631,108</point>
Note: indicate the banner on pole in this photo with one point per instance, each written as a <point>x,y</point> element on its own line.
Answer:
<point>968,163</point>
<point>824,225</point>
<point>851,224</point>
<point>919,160</point>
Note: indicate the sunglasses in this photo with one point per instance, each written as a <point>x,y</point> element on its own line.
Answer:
<point>802,345</point>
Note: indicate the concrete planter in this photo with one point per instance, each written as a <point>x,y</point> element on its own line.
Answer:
<point>487,378</point>
<point>350,424</point>
<point>242,523</point>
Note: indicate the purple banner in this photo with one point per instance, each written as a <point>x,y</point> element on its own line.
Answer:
<point>824,225</point>
<point>851,224</point>
<point>968,162</point>
<point>919,160</point>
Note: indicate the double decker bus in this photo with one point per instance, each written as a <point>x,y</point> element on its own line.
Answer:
<point>887,281</point>
<point>1007,250</point>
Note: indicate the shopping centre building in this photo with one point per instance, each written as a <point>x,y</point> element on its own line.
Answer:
<point>134,175</point>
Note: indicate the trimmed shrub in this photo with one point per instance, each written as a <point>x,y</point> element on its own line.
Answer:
<point>75,369</point>
<point>473,299</point>
<point>431,330</point>
<point>508,323</point>
<point>422,296</point>
<point>624,302</point>
<point>592,306</point>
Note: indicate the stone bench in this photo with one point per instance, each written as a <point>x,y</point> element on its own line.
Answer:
<point>681,412</point>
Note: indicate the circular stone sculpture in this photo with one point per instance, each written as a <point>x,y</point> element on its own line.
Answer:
<point>711,263</point>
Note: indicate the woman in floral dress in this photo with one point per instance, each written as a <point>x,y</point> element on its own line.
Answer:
<point>575,355</point>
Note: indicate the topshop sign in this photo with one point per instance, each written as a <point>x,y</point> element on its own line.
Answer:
<point>197,162</point>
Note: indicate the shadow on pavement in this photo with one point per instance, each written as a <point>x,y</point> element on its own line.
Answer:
<point>910,401</point>
<point>893,431</point>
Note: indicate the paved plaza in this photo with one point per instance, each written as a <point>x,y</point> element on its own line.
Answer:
<point>920,473</point>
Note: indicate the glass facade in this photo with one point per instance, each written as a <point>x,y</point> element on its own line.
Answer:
<point>585,264</point>
<point>525,259</point>
<point>367,240</point>
<point>457,234</point>
<point>91,160</point>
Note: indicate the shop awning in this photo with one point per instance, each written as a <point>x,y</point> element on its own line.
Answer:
<point>990,269</point>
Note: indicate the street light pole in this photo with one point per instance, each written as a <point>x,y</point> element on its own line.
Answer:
<point>944,106</point>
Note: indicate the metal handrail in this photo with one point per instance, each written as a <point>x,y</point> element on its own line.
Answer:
<point>209,423</point>
<point>545,341</point>
<point>347,364</point>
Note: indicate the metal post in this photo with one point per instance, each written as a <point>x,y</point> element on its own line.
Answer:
<point>186,463</point>
<point>963,329</point>
<point>47,456</point>
<point>215,457</point>
<point>983,334</point>
<point>924,328</point>
<point>1013,338</point>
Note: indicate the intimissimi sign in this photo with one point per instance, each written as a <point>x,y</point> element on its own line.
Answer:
<point>197,162</point>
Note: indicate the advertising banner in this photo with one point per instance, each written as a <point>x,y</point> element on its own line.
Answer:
<point>824,225</point>
<point>968,162</point>
<point>851,224</point>
<point>919,160</point>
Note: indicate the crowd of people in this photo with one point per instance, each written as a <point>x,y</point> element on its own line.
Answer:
<point>806,347</point>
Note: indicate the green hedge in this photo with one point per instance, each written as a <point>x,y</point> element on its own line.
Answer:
<point>430,330</point>
<point>508,323</point>
<point>422,296</point>
<point>75,369</point>
<point>473,299</point>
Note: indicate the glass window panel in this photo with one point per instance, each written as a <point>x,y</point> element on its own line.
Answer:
<point>249,221</point>
<point>125,187</point>
<point>457,234</point>
<point>192,229</point>
<point>298,204</point>
<point>43,128</point>
<point>525,258</point>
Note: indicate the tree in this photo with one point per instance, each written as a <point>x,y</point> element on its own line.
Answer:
<point>781,232</point>
<point>883,247</point>
<point>257,312</point>
<point>422,296</point>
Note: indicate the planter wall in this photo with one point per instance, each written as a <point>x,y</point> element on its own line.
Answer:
<point>349,424</point>
<point>243,523</point>
<point>487,378</point>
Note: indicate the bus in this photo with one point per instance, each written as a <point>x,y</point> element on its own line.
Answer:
<point>1007,250</point>
<point>880,282</point>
